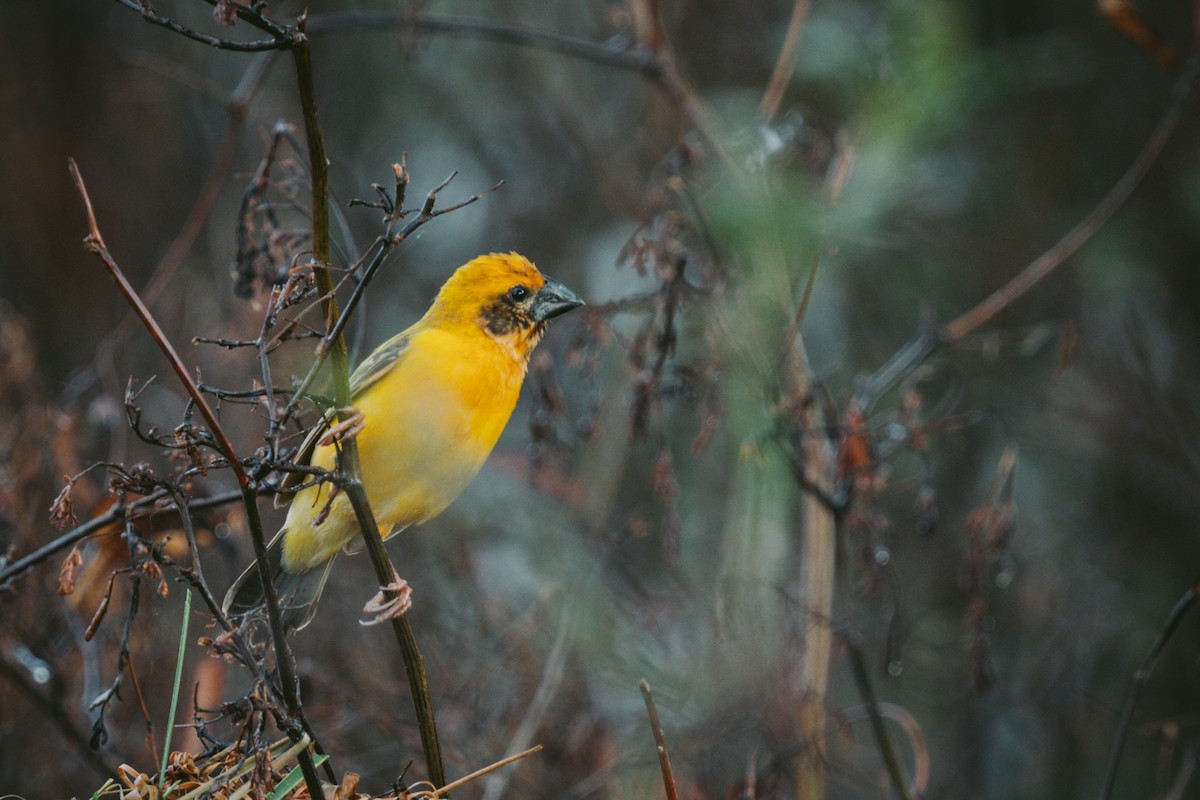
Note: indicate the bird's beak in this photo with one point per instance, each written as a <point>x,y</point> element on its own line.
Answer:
<point>553,299</point>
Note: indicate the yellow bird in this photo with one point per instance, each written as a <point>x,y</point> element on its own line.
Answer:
<point>434,400</point>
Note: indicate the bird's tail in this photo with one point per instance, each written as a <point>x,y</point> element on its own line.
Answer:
<point>297,592</point>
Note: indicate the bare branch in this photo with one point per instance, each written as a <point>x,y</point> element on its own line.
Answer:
<point>256,46</point>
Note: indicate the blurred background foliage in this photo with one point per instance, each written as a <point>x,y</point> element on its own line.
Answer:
<point>619,533</point>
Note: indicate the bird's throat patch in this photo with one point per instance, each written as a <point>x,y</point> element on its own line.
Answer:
<point>513,328</point>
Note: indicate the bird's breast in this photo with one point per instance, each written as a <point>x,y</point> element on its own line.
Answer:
<point>431,423</point>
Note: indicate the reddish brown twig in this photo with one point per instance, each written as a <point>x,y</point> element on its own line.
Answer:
<point>1078,236</point>
<point>94,242</point>
<point>660,742</point>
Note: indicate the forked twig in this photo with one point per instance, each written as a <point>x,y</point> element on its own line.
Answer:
<point>1185,602</point>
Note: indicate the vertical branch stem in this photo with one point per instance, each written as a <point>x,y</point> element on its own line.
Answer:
<point>818,562</point>
<point>335,348</point>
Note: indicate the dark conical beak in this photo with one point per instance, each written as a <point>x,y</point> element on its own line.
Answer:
<point>553,299</point>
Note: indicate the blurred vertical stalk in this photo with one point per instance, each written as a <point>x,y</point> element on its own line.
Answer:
<point>773,228</point>
<point>760,520</point>
<point>818,551</point>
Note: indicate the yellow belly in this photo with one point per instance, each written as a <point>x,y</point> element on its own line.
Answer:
<point>429,425</point>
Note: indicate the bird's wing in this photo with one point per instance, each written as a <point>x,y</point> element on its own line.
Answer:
<point>379,363</point>
<point>373,367</point>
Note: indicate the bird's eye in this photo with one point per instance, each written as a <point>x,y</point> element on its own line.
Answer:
<point>518,293</point>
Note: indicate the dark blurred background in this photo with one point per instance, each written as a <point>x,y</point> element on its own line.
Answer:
<point>981,132</point>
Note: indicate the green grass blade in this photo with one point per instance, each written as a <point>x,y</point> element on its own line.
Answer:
<point>292,779</point>
<point>187,615</point>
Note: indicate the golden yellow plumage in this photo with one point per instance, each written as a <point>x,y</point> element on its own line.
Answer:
<point>434,401</point>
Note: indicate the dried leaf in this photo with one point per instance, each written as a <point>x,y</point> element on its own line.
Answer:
<point>62,512</point>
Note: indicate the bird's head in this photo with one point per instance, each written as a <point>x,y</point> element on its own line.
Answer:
<point>506,297</point>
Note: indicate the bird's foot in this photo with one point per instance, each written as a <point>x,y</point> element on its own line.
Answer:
<point>392,601</point>
<point>349,425</point>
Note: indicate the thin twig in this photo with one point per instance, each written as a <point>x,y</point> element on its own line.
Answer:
<point>660,742</point>
<point>479,773</point>
<point>1185,602</point>
<point>785,65</point>
<point>1078,236</point>
<point>640,60</point>
<point>862,680</point>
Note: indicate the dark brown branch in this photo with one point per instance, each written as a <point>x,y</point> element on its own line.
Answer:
<point>256,46</point>
<point>143,507</point>
<point>95,243</point>
<point>638,59</point>
<point>71,537</point>
<point>349,462</point>
<point>1139,679</point>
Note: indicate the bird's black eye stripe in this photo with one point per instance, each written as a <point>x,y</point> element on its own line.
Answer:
<point>518,293</point>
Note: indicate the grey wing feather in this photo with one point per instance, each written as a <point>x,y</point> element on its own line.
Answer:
<point>373,367</point>
<point>379,363</point>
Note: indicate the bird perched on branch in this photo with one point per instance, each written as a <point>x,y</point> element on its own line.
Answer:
<point>431,403</point>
